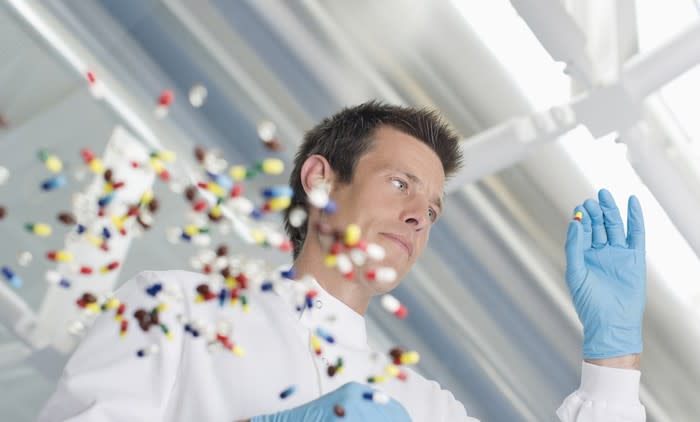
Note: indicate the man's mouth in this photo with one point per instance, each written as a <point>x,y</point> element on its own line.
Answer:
<point>401,241</point>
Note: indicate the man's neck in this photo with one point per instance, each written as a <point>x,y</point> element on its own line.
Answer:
<point>311,261</point>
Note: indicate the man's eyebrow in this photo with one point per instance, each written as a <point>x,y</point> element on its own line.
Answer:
<point>413,178</point>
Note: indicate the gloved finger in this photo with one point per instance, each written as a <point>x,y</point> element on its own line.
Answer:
<point>635,224</point>
<point>611,217</point>
<point>599,237</point>
<point>585,220</point>
<point>575,264</point>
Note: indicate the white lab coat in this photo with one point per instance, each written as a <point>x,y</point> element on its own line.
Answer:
<point>104,380</point>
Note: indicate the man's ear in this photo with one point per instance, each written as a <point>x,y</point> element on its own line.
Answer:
<point>316,169</point>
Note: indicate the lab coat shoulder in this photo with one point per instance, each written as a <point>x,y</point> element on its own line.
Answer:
<point>105,379</point>
<point>426,400</point>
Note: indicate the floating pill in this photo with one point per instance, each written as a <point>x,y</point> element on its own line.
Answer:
<point>59,256</point>
<point>53,183</point>
<point>12,278</point>
<point>54,277</point>
<point>318,197</point>
<point>325,335</point>
<point>150,350</point>
<point>352,234</point>
<point>52,162</point>
<point>297,216</point>
<point>4,175</point>
<point>376,396</point>
<point>266,130</point>
<point>110,267</point>
<point>39,229</point>
<point>339,410</point>
<point>66,218</point>
<point>272,166</point>
<point>24,258</point>
<point>94,163</point>
<point>197,95</point>
<point>392,305</point>
<point>277,204</point>
<point>288,391</point>
<point>578,216</point>
<point>123,327</point>
<point>382,274</point>
<point>165,99</point>
<point>277,191</point>
<point>375,252</point>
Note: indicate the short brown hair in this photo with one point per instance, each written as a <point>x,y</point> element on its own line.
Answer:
<point>344,137</point>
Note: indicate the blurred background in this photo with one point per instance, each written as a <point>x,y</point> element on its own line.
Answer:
<point>555,99</point>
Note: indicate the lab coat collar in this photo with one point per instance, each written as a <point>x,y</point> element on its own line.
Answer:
<point>328,312</point>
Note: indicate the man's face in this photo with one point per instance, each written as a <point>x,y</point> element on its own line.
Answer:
<point>395,196</point>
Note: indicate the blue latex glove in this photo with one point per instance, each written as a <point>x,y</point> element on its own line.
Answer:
<point>606,276</point>
<point>350,397</point>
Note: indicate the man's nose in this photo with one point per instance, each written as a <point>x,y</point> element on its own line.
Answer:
<point>415,213</point>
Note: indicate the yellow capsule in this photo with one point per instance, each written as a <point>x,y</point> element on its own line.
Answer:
<point>279,204</point>
<point>93,307</point>
<point>216,211</point>
<point>146,198</point>
<point>379,379</point>
<point>392,370</point>
<point>119,220</point>
<point>165,155</point>
<point>578,216</point>
<point>272,166</point>
<point>97,241</point>
<point>238,350</point>
<point>112,303</point>
<point>339,370</point>
<point>54,164</point>
<point>315,342</point>
<point>199,299</point>
<point>39,229</point>
<point>191,230</point>
<point>330,261</point>
<point>237,173</point>
<point>61,256</point>
<point>216,189</point>
<point>231,282</point>
<point>162,307</point>
<point>169,335</point>
<point>258,236</point>
<point>246,308</point>
<point>107,188</point>
<point>410,358</point>
<point>352,234</point>
<point>156,164</point>
<point>96,166</point>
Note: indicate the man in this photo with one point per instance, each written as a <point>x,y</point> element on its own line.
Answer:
<point>384,167</point>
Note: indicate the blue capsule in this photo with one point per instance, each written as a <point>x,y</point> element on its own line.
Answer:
<point>266,286</point>
<point>80,229</point>
<point>290,274</point>
<point>278,192</point>
<point>154,289</point>
<point>54,183</point>
<point>288,392</point>
<point>331,207</point>
<point>106,233</point>
<point>221,179</point>
<point>223,294</point>
<point>12,278</point>
<point>105,200</point>
<point>324,335</point>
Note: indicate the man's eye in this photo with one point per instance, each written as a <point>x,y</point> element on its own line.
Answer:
<point>399,184</point>
<point>432,214</point>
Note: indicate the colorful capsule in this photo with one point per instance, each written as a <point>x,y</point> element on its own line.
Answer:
<point>272,166</point>
<point>123,327</point>
<point>12,278</point>
<point>288,391</point>
<point>376,396</point>
<point>53,183</point>
<point>277,204</point>
<point>325,335</point>
<point>39,229</point>
<point>52,162</point>
<point>165,99</point>
<point>382,274</point>
<point>352,235</point>
<point>110,267</point>
<point>277,191</point>
<point>150,350</point>
<point>94,163</point>
<point>392,305</point>
<point>316,344</point>
<point>54,277</point>
<point>66,218</point>
<point>578,216</point>
<point>59,256</point>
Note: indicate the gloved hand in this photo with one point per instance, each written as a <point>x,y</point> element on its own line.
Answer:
<point>606,276</point>
<point>347,399</point>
